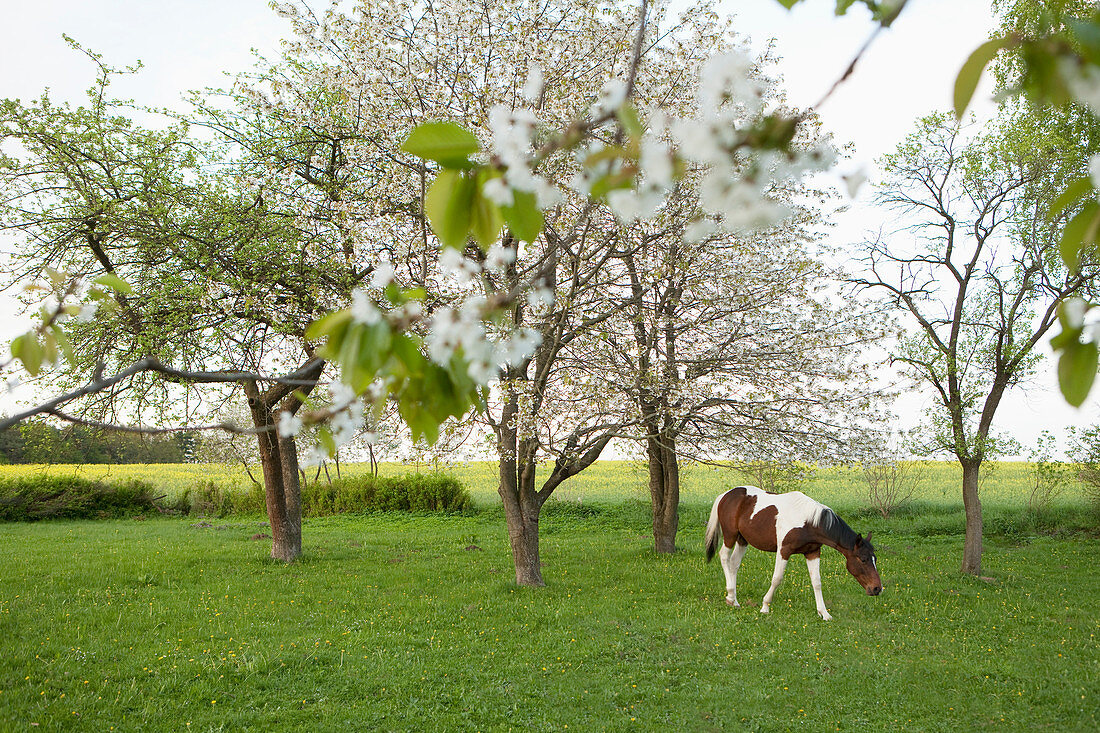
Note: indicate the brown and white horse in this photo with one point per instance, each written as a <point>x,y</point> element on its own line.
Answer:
<point>785,524</point>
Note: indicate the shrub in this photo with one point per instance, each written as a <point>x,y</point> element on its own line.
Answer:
<point>414,492</point>
<point>891,483</point>
<point>31,498</point>
<point>214,500</point>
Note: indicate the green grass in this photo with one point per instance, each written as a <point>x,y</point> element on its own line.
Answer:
<point>409,622</point>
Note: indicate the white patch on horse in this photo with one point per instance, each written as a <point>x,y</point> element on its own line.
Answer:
<point>795,510</point>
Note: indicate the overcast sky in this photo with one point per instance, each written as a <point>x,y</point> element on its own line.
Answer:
<point>190,44</point>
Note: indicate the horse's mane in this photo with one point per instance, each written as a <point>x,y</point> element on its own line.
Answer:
<point>837,529</point>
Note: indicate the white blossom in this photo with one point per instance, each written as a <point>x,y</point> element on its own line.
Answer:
<point>532,88</point>
<point>699,230</point>
<point>346,423</point>
<point>740,204</point>
<point>382,274</point>
<point>1074,310</point>
<point>455,263</point>
<point>612,96</point>
<point>342,395</point>
<point>727,78</point>
<point>87,312</point>
<point>499,257</point>
<point>547,194</point>
<point>497,191</point>
<point>285,10</point>
<point>539,299</point>
<point>655,162</point>
<point>854,181</point>
<point>363,309</point>
<point>289,425</point>
<point>1094,171</point>
<point>520,345</point>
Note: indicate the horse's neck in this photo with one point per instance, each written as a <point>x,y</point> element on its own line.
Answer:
<point>836,533</point>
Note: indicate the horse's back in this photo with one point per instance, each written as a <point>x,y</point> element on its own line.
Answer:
<point>759,518</point>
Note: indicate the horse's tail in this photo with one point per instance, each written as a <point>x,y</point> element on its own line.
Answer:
<point>714,531</point>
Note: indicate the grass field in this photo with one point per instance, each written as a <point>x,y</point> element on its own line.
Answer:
<point>400,622</point>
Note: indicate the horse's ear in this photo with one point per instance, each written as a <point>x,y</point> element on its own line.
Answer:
<point>869,537</point>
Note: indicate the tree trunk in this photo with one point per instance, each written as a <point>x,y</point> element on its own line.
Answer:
<point>292,499</point>
<point>664,491</point>
<point>521,514</point>
<point>972,548</point>
<point>279,459</point>
<point>286,527</point>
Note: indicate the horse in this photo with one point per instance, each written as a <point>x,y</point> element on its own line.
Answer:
<point>785,524</point>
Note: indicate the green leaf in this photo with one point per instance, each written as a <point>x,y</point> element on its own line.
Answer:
<point>324,437</point>
<point>373,353</point>
<point>446,143</point>
<point>1079,233</point>
<point>971,72</point>
<point>26,349</point>
<point>64,344</point>
<point>1087,34</point>
<point>611,182</point>
<point>628,118</point>
<point>447,205</point>
<point>328,324</point>
<point>1076,190</point>
<point>1077,371</point>
<point>523,216</point>
<point>485,220</point>
<point>114,282</point>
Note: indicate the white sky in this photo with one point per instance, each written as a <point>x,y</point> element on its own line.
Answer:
<point>190,44</point>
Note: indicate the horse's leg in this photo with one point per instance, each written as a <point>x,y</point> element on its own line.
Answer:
<point>731,560</point>
<point>813,564</point>
<point>777,578</point>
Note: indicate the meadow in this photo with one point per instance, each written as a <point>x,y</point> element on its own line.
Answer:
<point>404,622</point>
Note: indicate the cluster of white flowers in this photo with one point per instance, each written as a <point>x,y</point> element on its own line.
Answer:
<point>463,327</point>
<point>656,181</point>
<point>499,257</point>
<point>737,181</point>
<point>532,88</point>
<point>452,262</point>
<point>363,309</point>
<point>540,300</point>
<point>512,131</point>
<point>611,98</point>
<point>382,275</point>
<point>348,418</point>
<point>289,424</point>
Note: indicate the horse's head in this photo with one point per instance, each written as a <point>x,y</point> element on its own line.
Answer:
<point>862,565</point>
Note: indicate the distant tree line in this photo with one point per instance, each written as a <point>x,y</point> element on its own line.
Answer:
<point>40,442</point>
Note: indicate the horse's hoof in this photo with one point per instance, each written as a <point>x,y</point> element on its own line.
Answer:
<point>764,609</point>
<point>732,604</point>
<point>826,617</point>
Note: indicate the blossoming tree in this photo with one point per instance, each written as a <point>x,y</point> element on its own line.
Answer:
<point>402,161</point>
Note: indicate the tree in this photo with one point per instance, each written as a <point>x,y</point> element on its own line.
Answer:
<point>975,271</point>
<point>210,288</point>
<point>567,246</point>
<point>732,347</point>
<point>1047,66</point>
